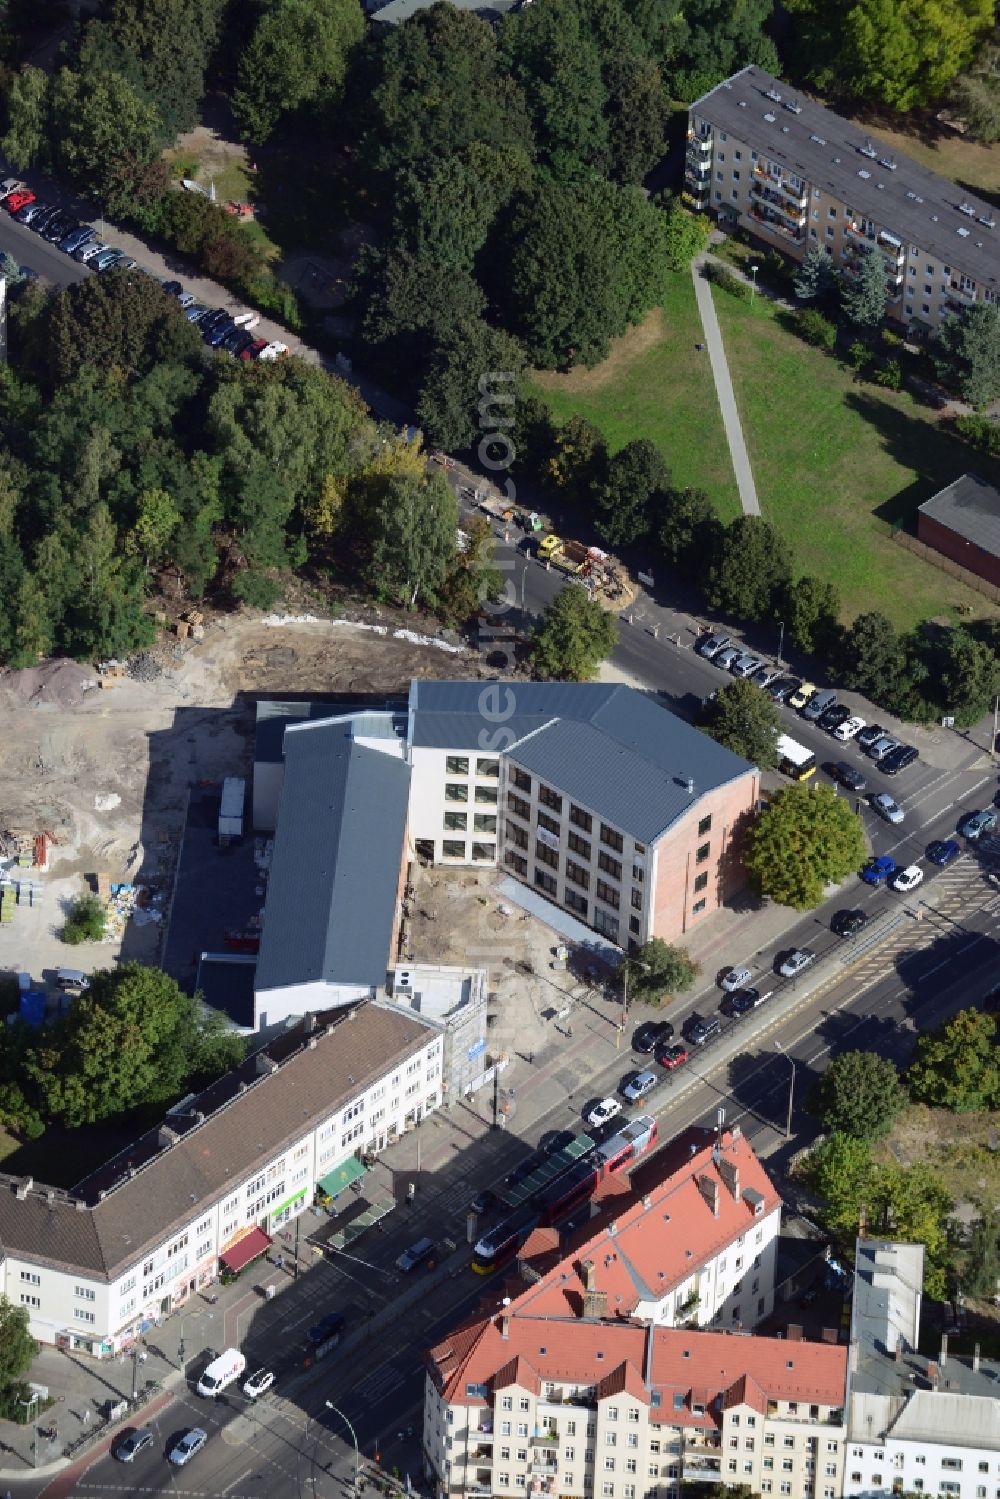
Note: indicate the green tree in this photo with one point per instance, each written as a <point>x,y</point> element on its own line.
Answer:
<point>556,59</point>
<point>473,369</point>
<point>859,1094</point>
<point>749,570</point>
<point>579,458</point>
<point>805,839</point>
<point>976,94</point>
<point>687,235</point>
<point>413,544</point>
<point>297,56</point>
<point>573,637</point>
<point>872,658</point>
<point>86,920</point>
<point>811,611</point>
<point>862,290</point>
<point>966,352</point>
<point>26,140</point>
<point>689,528</point>
<point>742,717</point>
<point>167,46</point>
<point>967,679</point>
<point>902,53</point>
<point>156,521</point>
<point>117,322</point>
<point>839,1170</point>
<point>716,39</point>
<point>216,1049</point>
<point>444,218</point>
<point>101,130</point>
<point>17,1347</point>
<point>410,306</point>
<point>635,485</point>
<point>957,1066</point>
<point>814,278</point>
<point>981,1276</point>
<point>657,971</point>
<point>637,116</point>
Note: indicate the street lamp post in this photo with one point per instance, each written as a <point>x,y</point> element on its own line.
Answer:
<point>354,1438</point>
<point>32,1405</point>
<point>791,1090</point>
<point>753,283</point>
<point>781,641</point>
<point>181,1358</point>
<point>624,1020</point>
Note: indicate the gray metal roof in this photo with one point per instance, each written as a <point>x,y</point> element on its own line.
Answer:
<point>611,747</point>
<point>830,153</point>
<point>274,715</point>
<point>338,846</point>
<point>971,508</point>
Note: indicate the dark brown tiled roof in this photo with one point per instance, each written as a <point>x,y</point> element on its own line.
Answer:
<point>101,1229</point>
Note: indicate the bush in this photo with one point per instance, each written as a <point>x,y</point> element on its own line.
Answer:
<point>255,590</point>
<point>859,356</point>
<point>890,375</point>
<point>816,329</point>
<point>982,431</point>
<point>721,277</point>
<point>86,921</point>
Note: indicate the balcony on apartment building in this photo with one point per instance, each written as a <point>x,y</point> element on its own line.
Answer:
<point>699,143</point>
<point>765,192</point>
<point>763,215</point>
<point>797,195</point>
<point>696,1460</point>
<point>544,1437</point>
<point>962,295</point>
<point>542,1464</point>
<point>893,250</point>
<point>482,1485</point>
<point>810,1414</point>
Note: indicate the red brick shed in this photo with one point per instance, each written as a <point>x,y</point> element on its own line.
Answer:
<point>963,523</point>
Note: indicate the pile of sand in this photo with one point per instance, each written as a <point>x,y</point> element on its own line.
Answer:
<point>60,682</point>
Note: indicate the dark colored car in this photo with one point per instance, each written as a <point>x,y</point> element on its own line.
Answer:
<point>213,318</point>
<point>673,1056</point>
<point>217,335</point>
<point>869,734</point>
<point>740,1002</point>
<point>898,759</point>
<point>44,214</point>
<point>699,1031</point>
<point>556,1139</point>
<point>834,717</point>
<point>172,288</point>
<point>57,228</point>
<point>483,1202</point>
<point>782,690</point>
<point>943,851</point>
<point>652,1034</point>
<point>30,211</point>
<point>82,234</point>
<point>846,774</point>
<point>197,313</point>
<point>849,923</point>
<point>330,1326</point>
<point>879,869</point>
<point>234,343</point>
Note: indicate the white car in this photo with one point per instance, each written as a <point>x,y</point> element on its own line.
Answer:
<point>258,1383</point>
<point>736,978</point>
<point>796,961</point>
<point>191,1442</point>
<point>273,350</point>
<point>10,185</point>
<point>849,729</point>
<point>607,1109</point>
<point>905,880</point>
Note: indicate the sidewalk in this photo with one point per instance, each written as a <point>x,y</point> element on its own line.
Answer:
<point>724,390</point>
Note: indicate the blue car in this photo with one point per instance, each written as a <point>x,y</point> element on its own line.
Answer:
<point>877,870</point>
<point>943,851</point>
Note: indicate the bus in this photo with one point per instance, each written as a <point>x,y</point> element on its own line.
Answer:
<point>794,760</point>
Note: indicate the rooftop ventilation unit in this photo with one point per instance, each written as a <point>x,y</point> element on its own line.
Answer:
<point>869,150</point>
<point>964,232</point>
<point>772,93</point>
<point>770,118</point>
<point>919,198</point>
<point>880,186</point>
<point>786,129</point>
<point>864,173</point>
<point>818,140</point>
<point>988,220</point>
<point>911,195</point>
<point>967,209</point>
<point>792,107</point>
<point>887,162</point>
<point>742,103</point>
<point>934,217</point>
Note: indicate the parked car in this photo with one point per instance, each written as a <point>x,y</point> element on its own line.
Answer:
<point>651,1034</point>
<point>796,960</point>
<point>124,263</point>
<point>106,259</point>
<point>672,1056</point>
<point>18,199</point>
<point>215,336</point>
<point>849,923</point>
<point>725,658</point>
<point>782,690</point>
<point>898,759</point>
<point>886,808</point>
<point>90,250</point>
<point>41,214</point>
<point>701,1029</point>
<point>831,719</point>
<point>483,1202</point>
<point>237,341</point>
<point>974,824</point>
<point>190,1443</point>
<point>601,1112</point>
<point>803,692</point>
<point>30,210</point>
<point>849,729</point>
<point>255,349</point>
<point>174,289</point>
<point>735,978</point>
<point>11,185</point>
<point>846,774</point>
<point>746,666</point>
<point>418,1253</point>
<point>57,228</point>
<point>869,734</point>
<point>765,675</point>
<point>905,880</point>
<point>943,851</point>
<point>878,869</point>
<point>131,1443</point>
<point>330,1326</point>
<point>882,747</point>
<point>741,1002</point>
<point>639,1085</point>
<point>258,1384</point>
<point>196,312</point>
<point>274,350</point>
<point>710,645</point>
<point>77,238</point>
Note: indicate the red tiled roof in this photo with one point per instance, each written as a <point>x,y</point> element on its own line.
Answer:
<point>625,1380</point>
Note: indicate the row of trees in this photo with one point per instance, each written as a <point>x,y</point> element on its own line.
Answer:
<point>132,1040</point>
<point>858,1099</point>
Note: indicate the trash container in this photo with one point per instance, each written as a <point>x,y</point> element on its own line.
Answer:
<point>269,1293</point>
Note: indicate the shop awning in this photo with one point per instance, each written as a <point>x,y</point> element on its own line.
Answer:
<point>336,1181</point>
<point>250,1247</point>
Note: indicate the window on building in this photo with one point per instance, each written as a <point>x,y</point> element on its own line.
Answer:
<point>549,824</point>
<point>703,852</point>
<point>484,853</point>
<point>577,874</point>
<point>30,1278</point>
<point>456,822</point>
<point>545,882</point>
<point>520,780</point>
<point>705,826</point>
<point>579,818</point>
<point>28,1300</point>
<point>519,807</point>
<point>517,862</point>
<point>549,798</point>
<point>698,907</point>
<point>611,838</point>
<point>487,767</point>
<point>605,922</point>
<point>608,894</point>
<point>578,845</point>
<point>575,901</point>
<point>634,925</point>
<point>486,795</point>
<point>546,855</point>
<point>450,849</point>
<point>610,866</point>
<point>701,882</point>
<point>482,822</point>
<point>456,765</point>
<point>454,791</point>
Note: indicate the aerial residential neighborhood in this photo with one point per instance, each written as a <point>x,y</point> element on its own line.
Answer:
<point>500,781</point>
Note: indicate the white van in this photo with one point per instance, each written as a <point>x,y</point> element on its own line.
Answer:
<point>72,978</point>
<point>222,1372</point>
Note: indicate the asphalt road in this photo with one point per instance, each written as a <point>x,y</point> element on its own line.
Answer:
<point>29,249</point>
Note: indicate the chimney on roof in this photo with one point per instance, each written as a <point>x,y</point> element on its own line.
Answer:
<point>589,1276</point>
<point>166,1137</point>
<point>505,1328</point>
<point>264,1065</point>
<point>709,1189</point>
<point>647,1202</point>
<point>730,1173</point>
<point>975,1360</point>
<point>24,1187</point>
<point>80,1205</point>
<point>736,1132</point>
<point>595,1304</point>
<point>944,1350</point>
<point>830,1335</point>
<point>898,1353</point>
<point>690,785</point>
<point>309,1022</point>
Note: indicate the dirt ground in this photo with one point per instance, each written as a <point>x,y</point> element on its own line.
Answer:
<point>963,1148</point>
<point>107,772</point>
<point>624,351</point>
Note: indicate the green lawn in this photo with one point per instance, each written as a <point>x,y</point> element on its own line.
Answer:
<point>656,385</point>
<point>836,463</point>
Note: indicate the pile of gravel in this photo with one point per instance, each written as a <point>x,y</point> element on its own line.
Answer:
<point>145,666</point>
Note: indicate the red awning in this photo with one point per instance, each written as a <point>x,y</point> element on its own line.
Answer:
<point>250,1247</point>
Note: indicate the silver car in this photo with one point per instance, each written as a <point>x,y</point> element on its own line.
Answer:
<point>190,1443</point>
<point>884,805</point>
<point>796,961</point>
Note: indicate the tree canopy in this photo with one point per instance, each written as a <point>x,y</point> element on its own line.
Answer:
<point>748,570</point>
<point>296,56</point>
<point>742,717</point>
<point>805,839</point>
<point>966,352</point>
<point>635,484</point>
<point>957,1066</point>
<point>574,636</point>
<point>859,1094</point>
<point>657,971</point>
<point>17,1351</point>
